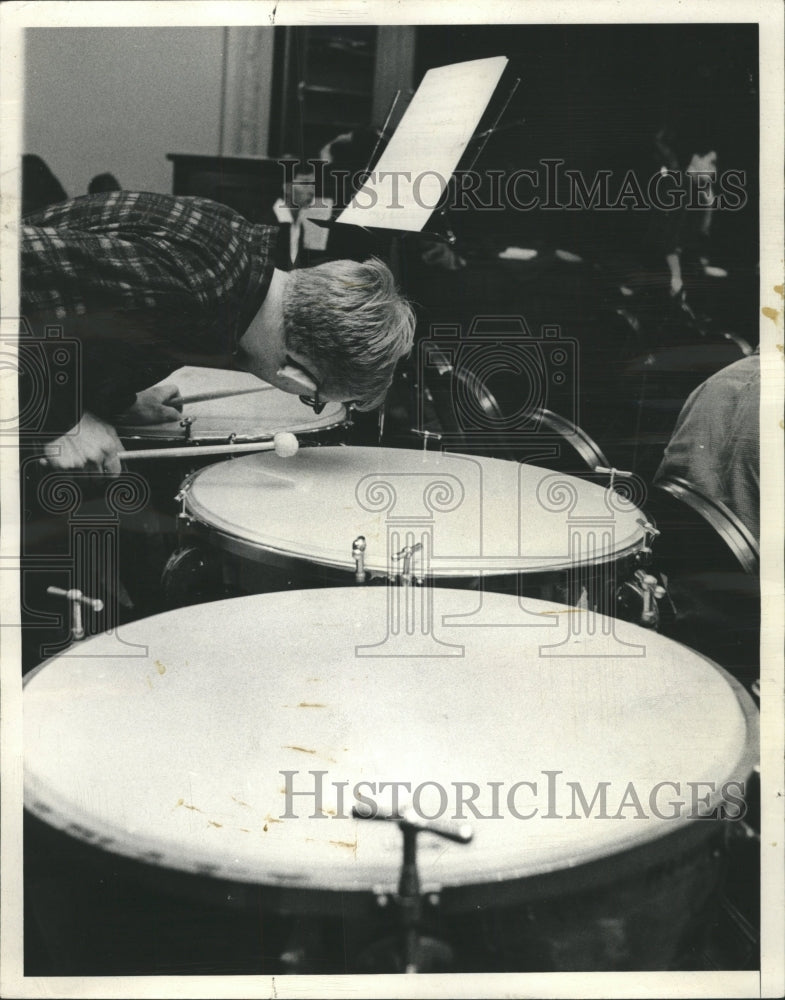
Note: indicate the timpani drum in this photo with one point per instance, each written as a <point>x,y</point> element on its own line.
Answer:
<point>149,536</point>
<point>470,520</point>
<point>242,418</point>
<point>226,756</point>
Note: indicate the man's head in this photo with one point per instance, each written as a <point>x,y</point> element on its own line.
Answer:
<point>331,332</point>
<point>351,323</point>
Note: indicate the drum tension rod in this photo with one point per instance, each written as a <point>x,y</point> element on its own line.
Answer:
<point>649,589</point>
<point>358,554</point>
<point>426,436</point>
<point>651,592</point>
<point>645,554</point>
<point>406,554</point>
<point>182,516</point>
<point>409,898</point>
<point>77,599</point>
<point>613,473</point>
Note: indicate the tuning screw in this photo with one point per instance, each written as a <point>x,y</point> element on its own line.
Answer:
<point>77,599</point>
<point>358,554</point>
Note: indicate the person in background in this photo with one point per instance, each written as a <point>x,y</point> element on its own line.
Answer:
<point>715,445</point>
<point>146,283</point>
<point>40,187</point>
<point>103,182</point>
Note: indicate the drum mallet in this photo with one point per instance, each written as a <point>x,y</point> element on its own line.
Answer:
<point>77,599</point>
<point>284,444</point>
<point>206,397</point>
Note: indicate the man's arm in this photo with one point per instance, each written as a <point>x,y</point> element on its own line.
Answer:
<point>92,444</point>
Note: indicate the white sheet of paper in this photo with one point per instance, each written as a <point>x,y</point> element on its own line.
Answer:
<point>426,147</point>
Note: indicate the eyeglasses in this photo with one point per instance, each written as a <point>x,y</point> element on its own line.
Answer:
<point>314,402</point>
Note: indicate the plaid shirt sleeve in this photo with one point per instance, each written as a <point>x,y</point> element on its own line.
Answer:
<point>145,282</point>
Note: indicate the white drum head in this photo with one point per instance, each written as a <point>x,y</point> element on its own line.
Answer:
<point>487,516</point>
<point>251,417</point>
<point>175,755</point>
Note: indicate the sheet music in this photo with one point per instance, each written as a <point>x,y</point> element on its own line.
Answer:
<point>414,169</point>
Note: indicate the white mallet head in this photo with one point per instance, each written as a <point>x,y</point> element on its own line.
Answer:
<point>286,445</point>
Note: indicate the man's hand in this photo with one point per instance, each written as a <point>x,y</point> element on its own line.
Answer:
<point>91,444</point>
<point>158,405</point>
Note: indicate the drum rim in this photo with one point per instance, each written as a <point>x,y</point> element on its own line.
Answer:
<point>515,882</point>
<point>282,899</point>
<point>340,419</point>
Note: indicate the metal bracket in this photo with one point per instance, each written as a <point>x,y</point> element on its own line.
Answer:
<point>406,555</point>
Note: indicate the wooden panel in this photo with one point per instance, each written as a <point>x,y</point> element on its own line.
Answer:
<point>249,185</point>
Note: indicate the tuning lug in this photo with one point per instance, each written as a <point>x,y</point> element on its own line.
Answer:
<point>651,591</point>
<point>358,554</point>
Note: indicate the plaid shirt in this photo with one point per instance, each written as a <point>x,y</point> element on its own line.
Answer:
<point>145,283</point>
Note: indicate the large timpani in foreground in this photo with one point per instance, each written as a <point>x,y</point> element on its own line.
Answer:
<point>332,515</point>
<point>224,753</point>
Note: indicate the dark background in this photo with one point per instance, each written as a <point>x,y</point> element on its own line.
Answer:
<point>595,96</point>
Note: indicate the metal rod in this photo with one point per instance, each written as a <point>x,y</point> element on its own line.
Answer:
<point>203,397</point>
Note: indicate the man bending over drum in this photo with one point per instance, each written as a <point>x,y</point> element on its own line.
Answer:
<point>142,284</point>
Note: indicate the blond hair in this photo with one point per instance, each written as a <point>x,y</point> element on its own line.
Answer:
<point>350,320</point>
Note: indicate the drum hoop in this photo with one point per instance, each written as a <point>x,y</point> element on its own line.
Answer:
<point>236,438</point>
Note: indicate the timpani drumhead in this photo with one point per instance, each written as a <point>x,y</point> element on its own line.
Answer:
<point>487,515</point>
<point>175,755</point>
<point>251,417</point>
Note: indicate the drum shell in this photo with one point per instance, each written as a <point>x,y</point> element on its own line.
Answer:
<point>239,567</point>
<point>149,535</point>
<point>649,908</point>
